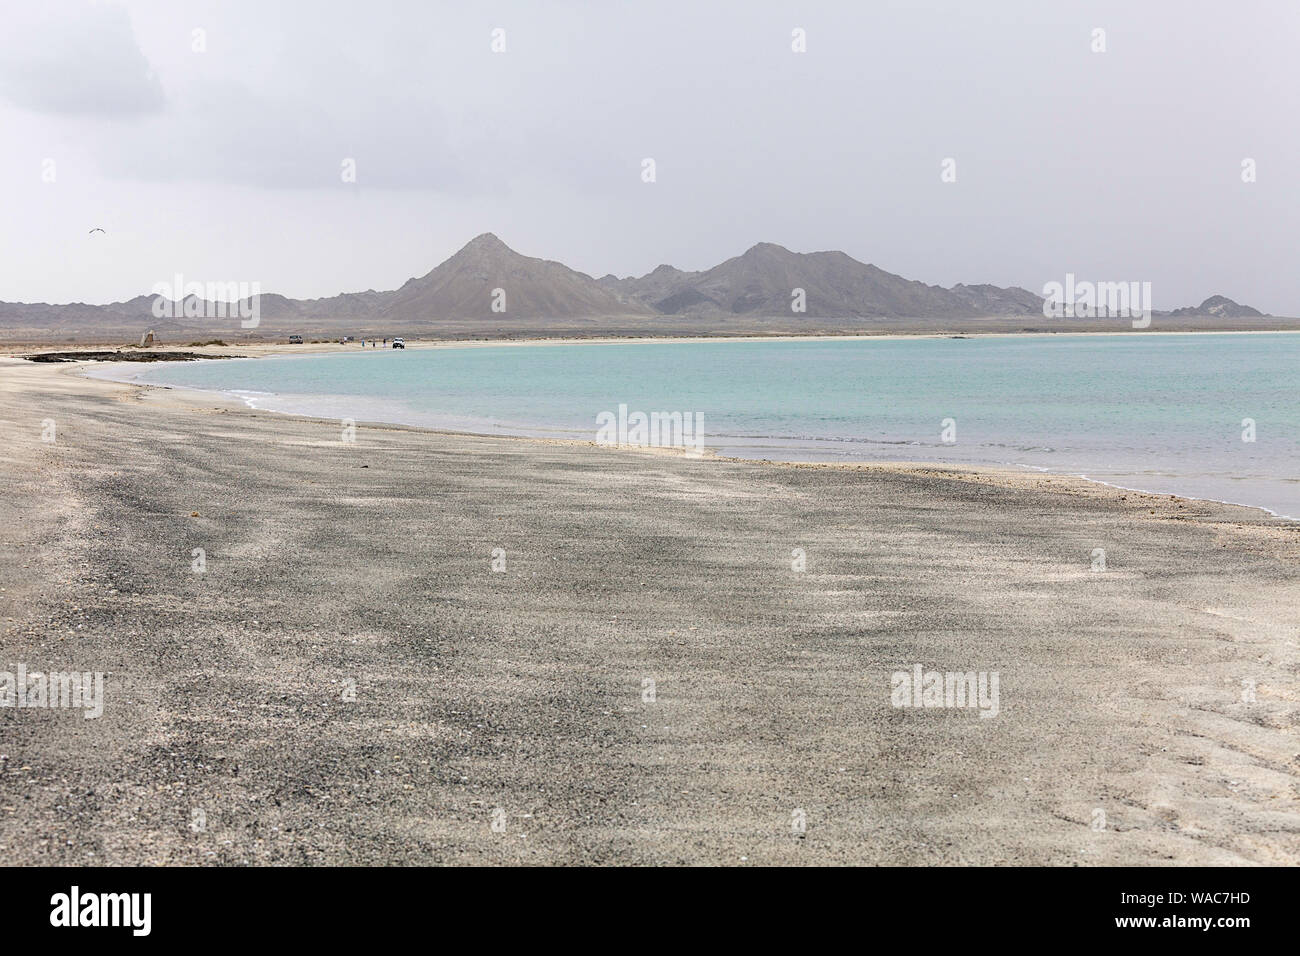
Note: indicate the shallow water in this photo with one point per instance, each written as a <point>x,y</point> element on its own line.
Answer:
<point>1153,412</point>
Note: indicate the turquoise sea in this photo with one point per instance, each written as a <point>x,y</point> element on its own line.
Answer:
<point>1155,412</point>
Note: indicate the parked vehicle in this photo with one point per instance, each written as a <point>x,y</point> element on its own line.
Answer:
<point>295,340</point>
<point>399,343</point>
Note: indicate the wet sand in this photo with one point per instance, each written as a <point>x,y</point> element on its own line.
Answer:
<point>349,681</point>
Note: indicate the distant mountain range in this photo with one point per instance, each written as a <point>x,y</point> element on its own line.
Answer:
<point>464,287</point>
<point>488,282</point>
<point>761,282</point>
<point>1220,306</point>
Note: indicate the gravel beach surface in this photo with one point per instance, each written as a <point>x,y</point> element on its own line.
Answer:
<point>310,659</point>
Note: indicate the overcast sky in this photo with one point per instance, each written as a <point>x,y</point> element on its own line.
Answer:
<point>225,164</point>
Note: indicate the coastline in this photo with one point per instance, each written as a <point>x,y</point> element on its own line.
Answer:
<point>830,336</point>
<point>1020,478</point>
<point>107,372</point>
<point>1008,476</point>
<point>263,348</point>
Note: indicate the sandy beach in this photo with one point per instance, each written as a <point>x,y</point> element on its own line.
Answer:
<point>648,680</point>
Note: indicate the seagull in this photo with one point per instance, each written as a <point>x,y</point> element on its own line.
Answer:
<point>95,230</point>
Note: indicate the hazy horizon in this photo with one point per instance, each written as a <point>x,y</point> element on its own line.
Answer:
<point>226,162</point>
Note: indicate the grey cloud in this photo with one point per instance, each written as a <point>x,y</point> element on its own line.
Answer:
<point>78,60</point>
<point>232,133</point>
<point>1119,165</point>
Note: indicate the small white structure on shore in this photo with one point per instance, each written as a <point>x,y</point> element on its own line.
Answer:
<point>146,339</point>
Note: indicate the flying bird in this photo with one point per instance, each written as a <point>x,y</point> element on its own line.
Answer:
<point>95,230</point>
